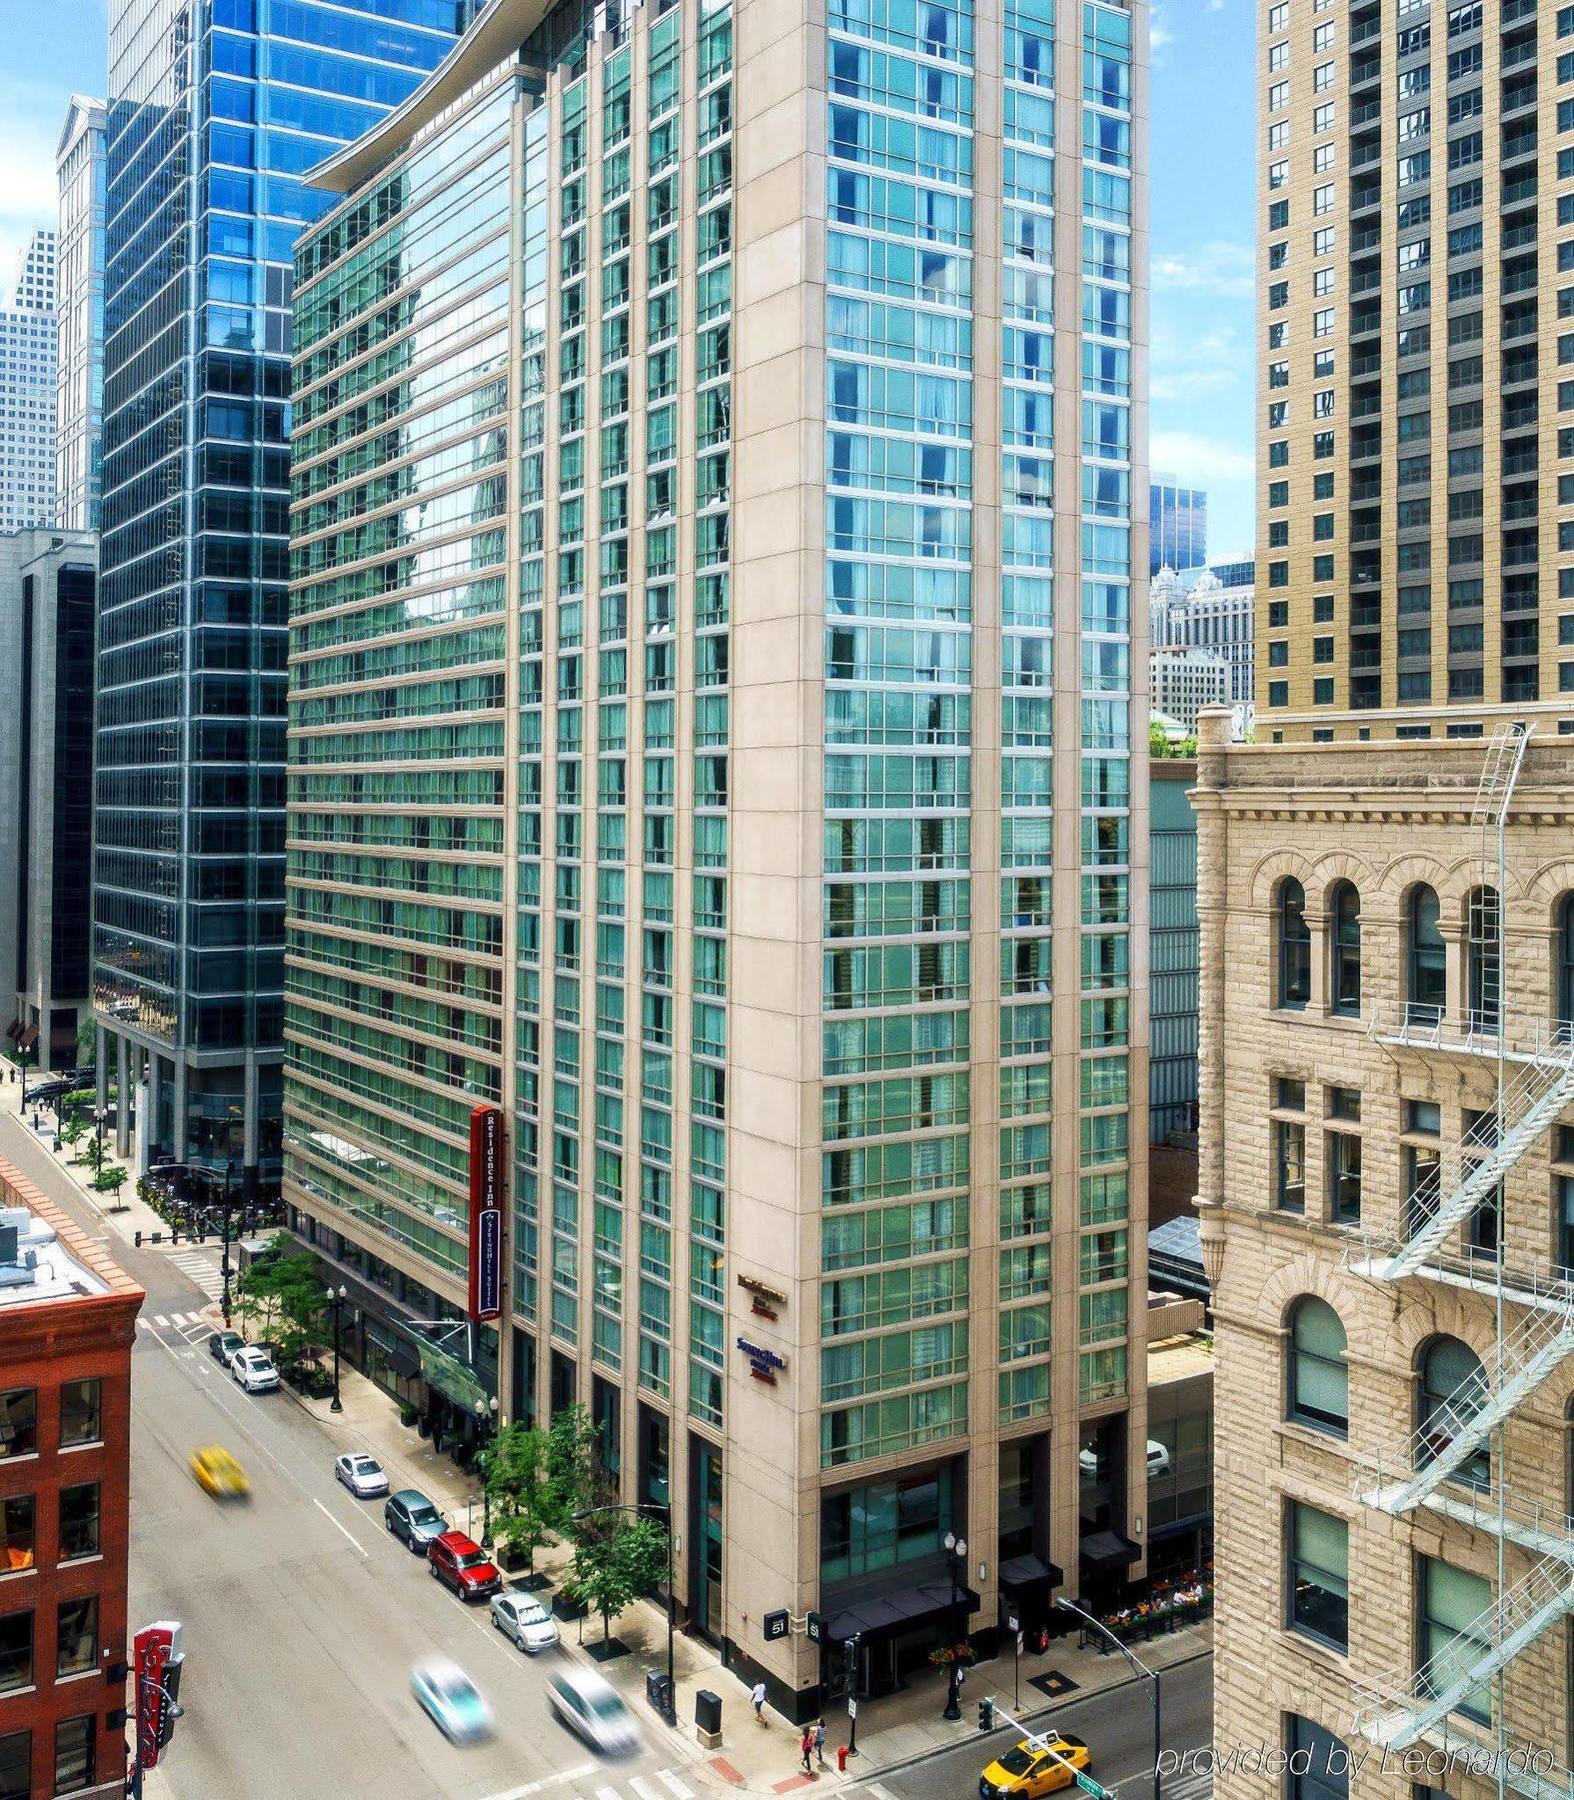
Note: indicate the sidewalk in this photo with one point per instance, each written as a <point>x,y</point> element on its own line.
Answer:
<point>126,1216</point>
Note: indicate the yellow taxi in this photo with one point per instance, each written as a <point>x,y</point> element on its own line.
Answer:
<point>1027,1769</point>
<point>218,1473</point>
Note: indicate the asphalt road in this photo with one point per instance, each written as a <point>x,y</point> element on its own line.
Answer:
<point>301,1615</point>
<point>1117,1724</point>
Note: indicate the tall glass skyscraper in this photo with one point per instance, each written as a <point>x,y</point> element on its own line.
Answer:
<point>1177,524</point>
<point>711,690</point>
<point>79,306</point>
<point>216,107</point>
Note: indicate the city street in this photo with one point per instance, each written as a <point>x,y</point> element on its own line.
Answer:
<point>302,1616</point>
<point>1117,1724</point>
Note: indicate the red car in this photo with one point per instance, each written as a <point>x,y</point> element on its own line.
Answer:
<point>459,1562</point>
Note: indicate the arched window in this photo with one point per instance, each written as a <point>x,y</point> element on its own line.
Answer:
<point>1319,1387</point>
<point>1453,1390</point>
<point>1426,992</point>
<point>1345,970</point>
<point>1566,967</point>
<point>1295,945</point>
<point>1483,958</point>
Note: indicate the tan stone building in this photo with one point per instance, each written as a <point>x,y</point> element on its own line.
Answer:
<point>1390,1258</point>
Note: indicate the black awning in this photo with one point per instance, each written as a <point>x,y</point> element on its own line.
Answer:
<point>1030,1571</point>
<point>882,1615</point>
<point>1104,1551</point>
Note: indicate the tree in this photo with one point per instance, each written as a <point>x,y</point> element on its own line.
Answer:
<point>1161,744</point>
<point>96,1154</point>
<point>87,1044</point>
<point>281,1297</point>
<point>72,1128</point>
<point>112,1179</point>
<point>573,1466</point>
<point>519,1491</point>
<point>617,1563</point>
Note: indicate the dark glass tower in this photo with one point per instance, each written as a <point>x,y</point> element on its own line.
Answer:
<point>216,109</point>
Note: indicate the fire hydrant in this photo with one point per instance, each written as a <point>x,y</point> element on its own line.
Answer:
<point>841,1759</point>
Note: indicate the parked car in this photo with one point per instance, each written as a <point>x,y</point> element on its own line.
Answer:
<point>459,1562</point>
<point>589,1705</point>
<point>253,1369</point>
<point>1027,1769</point>
<point>525,1621</point>
<point>218,1473</point>
<point>363,1475</point>
<point>412,1518</point>
<point>452,1700</point>
<point>223,1345</point>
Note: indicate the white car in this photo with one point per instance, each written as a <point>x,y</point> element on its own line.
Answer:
<point>254,1370</point>
<point>451,1699</point>
<point>527,1622</point>
<point>1158,1460</point>
<point>363,1475</point>
<point>588,1704</point>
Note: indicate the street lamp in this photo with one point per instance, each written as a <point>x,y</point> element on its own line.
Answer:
<point>663,1512</point>
<point>956,1557</point>
<point>336,1299</point>
<point>1141,1668</point>
<point>486,1415</point>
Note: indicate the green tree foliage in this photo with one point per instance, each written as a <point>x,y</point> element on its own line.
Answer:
<point>111,1179</point>
<point>1161,744</point>
<point>281,1299</point>
<point>73,1128</point>
<point>572,1465</point>
<point>616,1563</point>
<point>519,1491</point>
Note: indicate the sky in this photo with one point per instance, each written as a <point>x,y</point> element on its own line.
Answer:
<point>1201,215</point>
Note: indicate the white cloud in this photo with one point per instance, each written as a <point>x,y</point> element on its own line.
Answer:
<point>1159,34</point>
<point>1203,459</point>
<point>1191,384</point>
<point>1220,267</point>
<point>29,196</point>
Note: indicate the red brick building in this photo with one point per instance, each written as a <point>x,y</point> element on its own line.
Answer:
<point>67,1321</point>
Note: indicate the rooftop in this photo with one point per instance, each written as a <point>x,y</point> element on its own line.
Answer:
<point>44,1256</point>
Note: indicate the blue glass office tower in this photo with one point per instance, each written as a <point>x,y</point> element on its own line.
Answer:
<point>216,109</point>
<point>1177,524</point>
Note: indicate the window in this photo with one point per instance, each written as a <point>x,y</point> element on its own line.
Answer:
<point>81,1412</point>
<point>1454,1633</point>
<point>1318,1572</point>
<point>1289,1166</point>
<point>1320,1763</point>
<point>19,1422</point>
<point>1483,958</point>
<point>1344,1178</point>
<point>1453,1390</point>
<point>1345,990</point>
<point>76,1636</point>
<point>1566,966</point>
<point>1295,945</point>
<point>79,1520</point>
<point>16,1651</point>
<point>74,1754</point>
<point>1427,972</point>
<point>16,1765</point>
<point>1319,1380</point>
<point>17,1545</point>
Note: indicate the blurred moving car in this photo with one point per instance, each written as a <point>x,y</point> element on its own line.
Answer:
<point>254,1371</point>
<point>223,1345</point>
<point>459,1562</point>
<point>363,1475</point>
<point>218,1473</point>
<point>587,1704</point>
<point>452,1700</point>
<point>1027,1769</point>
<point>413,1519</point>
<point>525,1621</point>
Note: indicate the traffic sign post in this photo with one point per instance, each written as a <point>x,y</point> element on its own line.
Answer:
<point>852,1725</point>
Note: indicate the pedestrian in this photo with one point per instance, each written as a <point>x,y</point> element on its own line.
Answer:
<point>806,1745</point>
<point>819,1740</point>
<point>758,1697</point>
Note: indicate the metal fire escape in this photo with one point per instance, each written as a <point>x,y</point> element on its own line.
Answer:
<point>1453,1463</point>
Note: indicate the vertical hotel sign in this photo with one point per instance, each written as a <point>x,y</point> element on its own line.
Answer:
<point>486,1213</point>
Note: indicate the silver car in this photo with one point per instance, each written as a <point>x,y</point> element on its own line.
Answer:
<point>363,1475</point>
<point>525,1622</point>
<point>586,1703</point>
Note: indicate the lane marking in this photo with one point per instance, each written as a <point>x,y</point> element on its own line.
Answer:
<point>550,1781</point>
<point>161,1320</point>
<point>643,1788</point>
<point>339,1525</point>
<point>673,1785</point>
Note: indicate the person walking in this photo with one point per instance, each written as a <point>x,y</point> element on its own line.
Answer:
<point>806,1744</point>
<point>757,1696</point>
<point>819,1741</point>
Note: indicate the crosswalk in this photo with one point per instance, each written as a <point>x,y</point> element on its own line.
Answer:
<point>175,1321</point>
<point>664,1784</point>
<point>201,1268</point>
<point>1195,1784</point>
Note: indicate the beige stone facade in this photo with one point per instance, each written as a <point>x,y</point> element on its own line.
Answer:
<point>1390,819</point>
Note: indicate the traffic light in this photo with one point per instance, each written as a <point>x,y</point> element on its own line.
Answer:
<point>169,1705</point>
<point>850,1656</point>
<point>986,1715</point>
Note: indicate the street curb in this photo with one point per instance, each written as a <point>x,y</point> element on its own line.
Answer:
<point>913,1762</point>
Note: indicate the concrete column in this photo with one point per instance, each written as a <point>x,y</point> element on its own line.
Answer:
<point>249,1130</point>
<point>122,1097</point>
<point>149,1126</point>
<point>46,1029</point>
<point>177,1133</point>
<point>101,1069</point>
